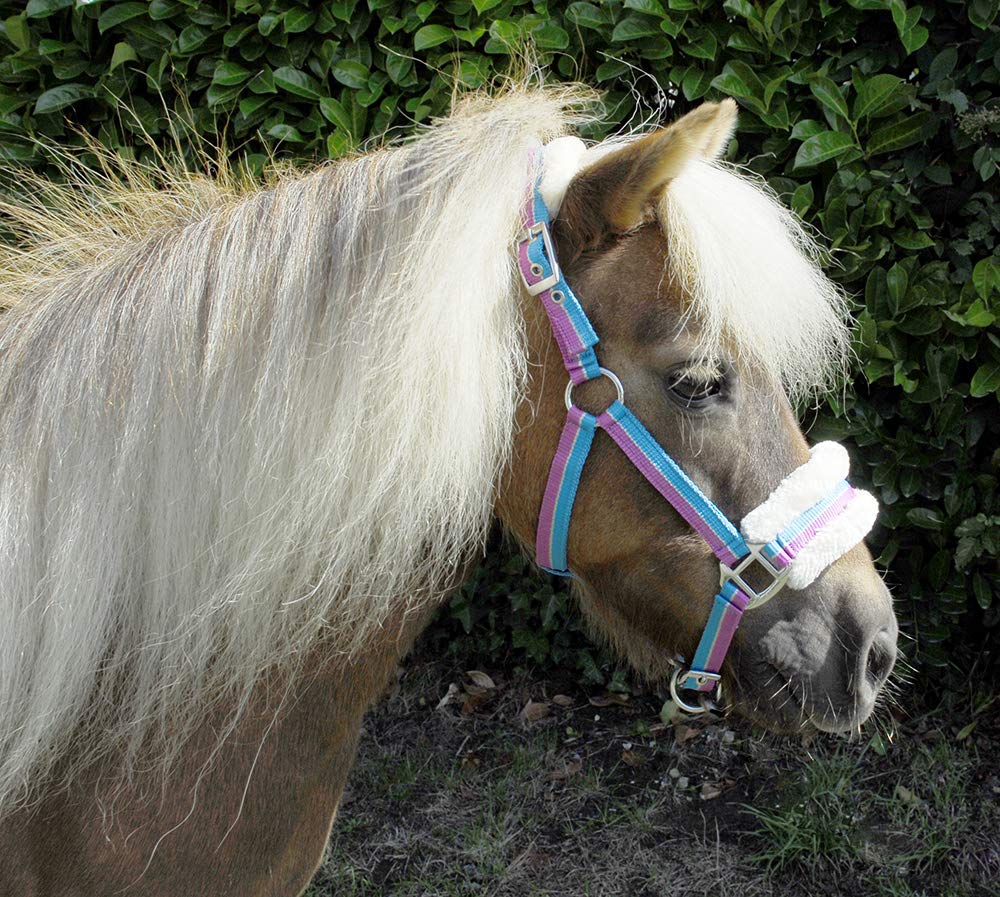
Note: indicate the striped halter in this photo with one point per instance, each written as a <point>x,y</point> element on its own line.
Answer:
<point>813,518</point>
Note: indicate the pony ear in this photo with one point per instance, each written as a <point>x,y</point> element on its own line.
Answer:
<point>615,194</point>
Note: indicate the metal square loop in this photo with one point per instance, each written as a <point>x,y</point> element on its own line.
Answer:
<point>778,576</point>
<point>546,283</point>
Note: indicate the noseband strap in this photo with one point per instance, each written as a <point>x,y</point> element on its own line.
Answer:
<point>807,504</point>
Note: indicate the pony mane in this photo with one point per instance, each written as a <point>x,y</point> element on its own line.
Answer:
<point>236,417</point>
<point>752,275</point>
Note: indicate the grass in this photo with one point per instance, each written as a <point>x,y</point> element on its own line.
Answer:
<point>612,802</point>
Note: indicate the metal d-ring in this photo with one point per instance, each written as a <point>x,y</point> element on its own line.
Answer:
<point>604,372</point>
<point>704,705</point>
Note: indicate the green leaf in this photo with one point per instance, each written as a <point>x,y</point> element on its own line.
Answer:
<point>16,28</point>
<point>739,80</point>
<point>900,135</point>
<point>983,12</point>
<point>981,589</point>
<point>120,13</point>
<point>610,69</point>
<point>912,240</point>
<point>896,281</point>
<point>250,105</point>
<point>704,48</point>
<point>944,64</point>
<point>986,277</point>
<point>333,110</point>
<point>650,7</point>
<point>550,36</point>
<point>431,36</point>
<point>830,96</point>
<point>286,133</point>
<point>879,95</point>
<point>397,67</point>
<point>296,82</point>
<point>634,27</point>
<point>123,53</point>
<point>978,315</point>
<point>925,518</point>
<point>587,15</point>
<point>60,97</point>
<point>350,73</point>
<point>230,74</point>
<point>914,38</point>
<point>807,128</point>
<point>40,9</point>
<point>298,20</point>
<point>985,380</point>
<point>821,148</point>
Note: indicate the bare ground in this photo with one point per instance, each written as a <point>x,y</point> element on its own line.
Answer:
<point>537,787</point>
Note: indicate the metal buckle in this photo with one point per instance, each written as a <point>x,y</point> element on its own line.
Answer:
<point>705,703</point>
<point>546,283</point>
<point>730,574</point>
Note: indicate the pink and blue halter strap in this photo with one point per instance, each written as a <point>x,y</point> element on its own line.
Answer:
<point>576,339</point>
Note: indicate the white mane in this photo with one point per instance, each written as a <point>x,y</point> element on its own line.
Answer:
<point>283,414</point>
<point>230,421</point>
<point>751,273</point>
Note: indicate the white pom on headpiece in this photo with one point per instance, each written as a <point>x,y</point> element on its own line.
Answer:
<point>561,160</point>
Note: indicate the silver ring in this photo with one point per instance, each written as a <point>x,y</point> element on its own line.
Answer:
<point>604,373</point>
<point>704,702</point>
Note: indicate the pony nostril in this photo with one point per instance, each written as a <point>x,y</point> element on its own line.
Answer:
<point>881,657</point>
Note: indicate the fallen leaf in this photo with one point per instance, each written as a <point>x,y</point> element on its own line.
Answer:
<point>562,700</point>
<point>534,710</point>
<point>668,711</point>
<point>609,698</point>
<point>477,698</point>
<point>450,696</point>
<point>481,679</point>
<point>632,758</point>
<point>569,768</point>
<point>684,733</point>
<point>710,791</point>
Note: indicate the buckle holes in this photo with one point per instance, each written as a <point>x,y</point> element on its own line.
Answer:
<point>536,269</point>
<point>557,296</point>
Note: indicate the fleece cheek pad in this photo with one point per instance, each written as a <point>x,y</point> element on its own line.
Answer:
<point>826,468</point>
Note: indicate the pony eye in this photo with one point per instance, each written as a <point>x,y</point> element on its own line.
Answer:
<point>696,386</point>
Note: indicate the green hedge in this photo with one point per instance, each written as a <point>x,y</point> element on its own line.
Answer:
<point>877,120</point>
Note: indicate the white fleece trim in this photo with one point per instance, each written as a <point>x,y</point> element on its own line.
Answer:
<point>834,540</point>
<point>800,490</point>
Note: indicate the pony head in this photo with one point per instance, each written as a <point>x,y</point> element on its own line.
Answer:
<point>713,312</point>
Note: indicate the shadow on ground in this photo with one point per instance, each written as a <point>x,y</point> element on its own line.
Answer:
<point>481,785</point>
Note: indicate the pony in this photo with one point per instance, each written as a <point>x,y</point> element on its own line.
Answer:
<point>252,435</point>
